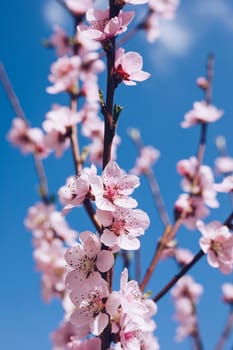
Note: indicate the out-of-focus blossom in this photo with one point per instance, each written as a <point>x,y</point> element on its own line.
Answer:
<point>102,27</point>
<point>226,185</point>
<point>57,125</point>
<point>29,140</point>
<point>227,290</point>
<point>151,27</point>
<point>201,113</point>
<point>217,243</point>
<point>164,8</point>
<point>128,67</point>
<point>183,256</point>
<point>60,41</point>
<point>224,165</point>
<point>148,156</point>
<point>79,7</point>
<point>64,74</point>
<point>202,83</point>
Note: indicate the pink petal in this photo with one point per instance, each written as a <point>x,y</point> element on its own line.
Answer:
<point>99,323</point>
<point>105,261</point>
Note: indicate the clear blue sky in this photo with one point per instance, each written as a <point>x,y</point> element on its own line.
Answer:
<point>157,107</point>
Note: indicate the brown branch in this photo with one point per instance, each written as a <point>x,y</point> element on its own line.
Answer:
<point>226,331</point>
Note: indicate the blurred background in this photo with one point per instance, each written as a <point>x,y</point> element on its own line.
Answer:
<point>156,107</point>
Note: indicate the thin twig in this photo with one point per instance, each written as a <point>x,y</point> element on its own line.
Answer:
<point>226,331</point>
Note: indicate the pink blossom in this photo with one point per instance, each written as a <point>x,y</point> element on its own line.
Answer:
<point>86,258</point>
<point>122,227</point>
<point>187,287</point>
<point>128,67</point>
<point>49,257</point>
<point>152,27</point>
<point>148,156</point>
<point>164,8</point>
<point>224,165</point>
<point>57,124</point>
<point>217,243</point>
<point>64,74</point>
<point>183,256</point>
<point>28,139</point>
<point>201,113</point>
<point>194,208</point>
<point>76,189</point>
<point>60,41</point>
<point>102,27</point>
<point>226,185</point>
<point>113,188</point>
<point>78,7</point>
<point>198,181</point>
<point>227,290</point>
<point>47,223</point>
<point>202,83</point>
<point>89,315</point>
<point>62,336</point>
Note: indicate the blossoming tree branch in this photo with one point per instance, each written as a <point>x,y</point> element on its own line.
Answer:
<point>79,268</point>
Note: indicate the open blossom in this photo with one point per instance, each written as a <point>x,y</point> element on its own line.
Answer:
<point>128,67</point>
<point>86,258</point>
<point>77,187</point>
<point>27,139</point>
<point>186,294</point>
<point>64,74</point>
<point>102,27</point>
<point>113,188</point>
<point>203,186</point>
<point>194,208</point>
<point>217,243</point>
<point>57,123</point>
<point>49,257</point>
<point>78,7</point>
<point>201,113</point>
<point>148,156</point>
<point>122,227</point>
<point>45,222</point>
<point>89,315</point>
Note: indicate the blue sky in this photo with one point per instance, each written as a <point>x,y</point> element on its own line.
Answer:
<point>156,107</point>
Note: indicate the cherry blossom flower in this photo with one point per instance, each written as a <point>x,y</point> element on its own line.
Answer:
<point>183,256</point>
<point>202,83</point>
<point>63,335</point>
<point>201,113</point>
<point>194,208</point>
<point>102,27</point>
<point>122,227</point>
<point>186,294</point>
<point>47,223</point>
<point>58,122</point>
<point>78,7</point>
<point>89,344</point>
<point>113,188</point>
<point>128,67</point>
<point>49,257</point>
<point>86,258</point>
<point>217,243</point>
<point>203,186</point>
<point>76,189</point>
<point>227,290</point>
<point>64,74</point>
<point>28,139</point>
<point>148,156</point>
<point>226,185</point>
<point>224,165</point>
<point>89,315</point>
